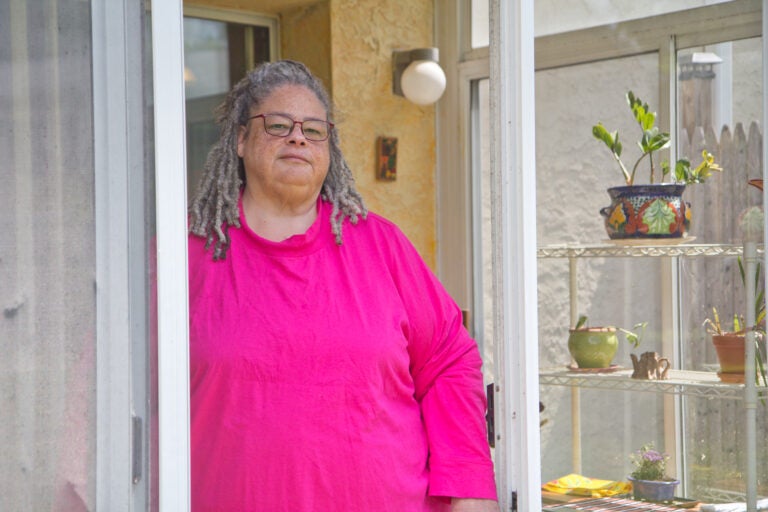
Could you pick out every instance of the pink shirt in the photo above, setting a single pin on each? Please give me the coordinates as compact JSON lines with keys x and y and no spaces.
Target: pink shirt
{"x":327,"y":377}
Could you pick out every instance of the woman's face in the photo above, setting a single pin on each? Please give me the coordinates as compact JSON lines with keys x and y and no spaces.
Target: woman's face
{"x":284,"y":169}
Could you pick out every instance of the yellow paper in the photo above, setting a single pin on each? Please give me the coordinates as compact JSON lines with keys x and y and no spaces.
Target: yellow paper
{"x":579,"y":485}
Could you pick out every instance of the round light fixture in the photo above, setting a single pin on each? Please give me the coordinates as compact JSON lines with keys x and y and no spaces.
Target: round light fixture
{"x":423,"y":82}
{"x":417,"y":75}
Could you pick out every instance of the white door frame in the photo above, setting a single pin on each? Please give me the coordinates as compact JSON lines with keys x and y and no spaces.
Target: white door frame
{"x":513,"y":174}
{"x":172,"y":293}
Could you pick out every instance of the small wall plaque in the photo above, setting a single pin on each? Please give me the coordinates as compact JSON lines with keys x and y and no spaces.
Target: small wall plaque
{"x":386,"y":158}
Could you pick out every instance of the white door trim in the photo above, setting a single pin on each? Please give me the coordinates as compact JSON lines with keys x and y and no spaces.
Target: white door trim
{"x":513,"y":174}
{"x":172,"y":293}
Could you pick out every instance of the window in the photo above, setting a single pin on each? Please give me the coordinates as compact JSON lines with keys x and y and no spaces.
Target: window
{"x":219,"y":48}
{"x":586,"y":58}
{"x":554,"y":17}
{"x":718,"y":82}
{"x":483,"y":278}
{"x":480,"y":23}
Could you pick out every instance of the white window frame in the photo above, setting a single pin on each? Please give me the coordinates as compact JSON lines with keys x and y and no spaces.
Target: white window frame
{"x":122,"y":476}
{"x":510,"y":66}
{"x":513,"y":176}
{"x":113,"y":373}
{"x":172,"y":277}
{"x":751,"y":490}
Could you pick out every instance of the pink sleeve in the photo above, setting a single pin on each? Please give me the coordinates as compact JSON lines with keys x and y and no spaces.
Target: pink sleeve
{"x":446,"y":368}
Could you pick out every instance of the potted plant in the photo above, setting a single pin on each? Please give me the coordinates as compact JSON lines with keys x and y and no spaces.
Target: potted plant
{"x":730,"y":341}
{"x":653,"y":210}
{"x":595,"y":347}
{"x":649,"y":479}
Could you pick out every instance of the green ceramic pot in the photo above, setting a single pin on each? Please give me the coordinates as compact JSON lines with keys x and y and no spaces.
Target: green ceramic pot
{"x":593,"y":347}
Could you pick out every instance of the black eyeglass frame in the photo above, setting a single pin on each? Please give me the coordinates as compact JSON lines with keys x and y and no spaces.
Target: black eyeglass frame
{"x":290,"y":131}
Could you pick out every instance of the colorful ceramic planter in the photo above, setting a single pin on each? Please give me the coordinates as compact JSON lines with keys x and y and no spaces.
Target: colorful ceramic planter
{"x":647,"y":211}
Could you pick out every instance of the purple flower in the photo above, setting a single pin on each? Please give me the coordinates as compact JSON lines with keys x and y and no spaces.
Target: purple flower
{"x":653,"y":456}
{"x":650,"y":464}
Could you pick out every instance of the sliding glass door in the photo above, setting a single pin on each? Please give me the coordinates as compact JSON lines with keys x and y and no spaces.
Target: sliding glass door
{"x":76,"y":210}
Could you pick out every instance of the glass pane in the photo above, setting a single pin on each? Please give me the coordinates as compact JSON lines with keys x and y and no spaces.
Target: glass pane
{"x":47,"y":258}
{"x":573,"y":171}
{"x":50,"y":258}
{"x":719,"y":94}
{"x":554,"y":16}
{"x":480,"y":23}
{"x":217,"y":55}
{"x":720,"y":103}
{"x":483,"y":281}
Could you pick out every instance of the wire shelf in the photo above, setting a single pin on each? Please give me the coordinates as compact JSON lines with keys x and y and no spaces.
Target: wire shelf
{"x":624,"y":251}
{"x":679,"y":382}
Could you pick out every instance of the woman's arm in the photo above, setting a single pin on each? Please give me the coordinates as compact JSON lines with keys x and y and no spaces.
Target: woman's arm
{"x":473,"y":505}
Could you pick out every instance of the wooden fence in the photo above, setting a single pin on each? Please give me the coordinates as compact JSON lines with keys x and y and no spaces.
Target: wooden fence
{"x":715,"y":436}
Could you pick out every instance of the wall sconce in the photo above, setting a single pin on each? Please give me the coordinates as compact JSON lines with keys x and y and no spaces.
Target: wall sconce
{"x":417,"y":75}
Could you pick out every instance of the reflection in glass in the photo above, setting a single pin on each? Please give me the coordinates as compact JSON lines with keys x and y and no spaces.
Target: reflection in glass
{"x":483,"y":275}
{"x":217,"y":55}
{"x":554,"y":16}
{"x":720,"y":109}
{"x":573,"y":171}
{"x":480,"y":25}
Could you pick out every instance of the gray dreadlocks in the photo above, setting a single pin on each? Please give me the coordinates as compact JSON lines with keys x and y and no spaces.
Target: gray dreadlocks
{"x":214,"y":206}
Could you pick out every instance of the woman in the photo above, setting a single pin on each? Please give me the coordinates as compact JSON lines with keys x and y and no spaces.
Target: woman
{"x":329,"y":368}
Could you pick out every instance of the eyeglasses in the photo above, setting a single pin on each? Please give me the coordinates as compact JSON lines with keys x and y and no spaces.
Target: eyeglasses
{"x":279,"y":125}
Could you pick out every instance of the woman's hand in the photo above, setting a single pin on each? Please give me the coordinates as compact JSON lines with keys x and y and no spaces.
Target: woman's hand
{"x":473,"y":505}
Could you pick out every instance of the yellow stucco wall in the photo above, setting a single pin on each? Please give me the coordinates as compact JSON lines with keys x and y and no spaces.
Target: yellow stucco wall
{"x":357,"y":62}
{"x":364,"y":34}
{"x":305,"y":35}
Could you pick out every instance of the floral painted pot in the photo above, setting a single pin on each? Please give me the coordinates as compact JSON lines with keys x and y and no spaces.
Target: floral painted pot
{"x":653,"y":490}
{"x":647,"y":211}
{"x":593,"y":347}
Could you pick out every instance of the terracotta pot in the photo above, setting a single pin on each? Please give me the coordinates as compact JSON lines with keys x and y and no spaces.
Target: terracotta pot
{"x":653,"y":490}
{"x":730,"y":352}
{"x":647,"y":211}
{"x":593,"y":347}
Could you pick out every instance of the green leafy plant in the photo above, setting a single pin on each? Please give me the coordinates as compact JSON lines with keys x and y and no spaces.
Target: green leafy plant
{"x":649,"y":464}
{"x":634,"y":337}
{"x":651,"y":141}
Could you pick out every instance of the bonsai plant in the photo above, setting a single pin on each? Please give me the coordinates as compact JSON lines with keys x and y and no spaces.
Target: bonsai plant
{"x":655,"y":210}
{"x":595,"y":347}
{"x":650,"y":481}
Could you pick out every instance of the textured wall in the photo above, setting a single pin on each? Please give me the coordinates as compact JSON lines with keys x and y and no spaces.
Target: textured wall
{"x":364,"y":33}
{"x":305,"y":35}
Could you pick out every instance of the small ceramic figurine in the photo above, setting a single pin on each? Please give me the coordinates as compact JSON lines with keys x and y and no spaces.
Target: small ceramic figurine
{"x":649,"y":366}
